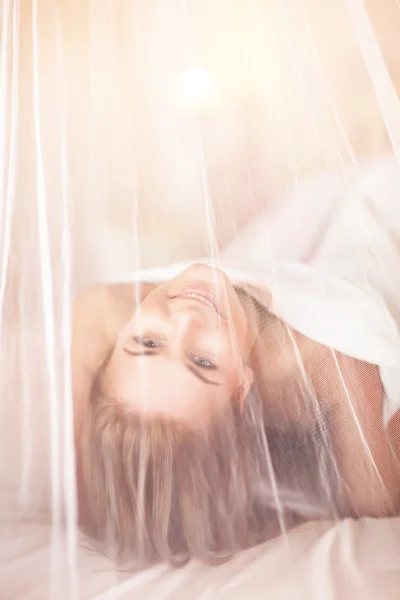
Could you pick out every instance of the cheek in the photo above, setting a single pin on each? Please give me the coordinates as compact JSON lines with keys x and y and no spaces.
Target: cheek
{"x":153,"y":304}
{"x":232,"y":365}
{"x":240,"y":328}
{"x":232,"y":346}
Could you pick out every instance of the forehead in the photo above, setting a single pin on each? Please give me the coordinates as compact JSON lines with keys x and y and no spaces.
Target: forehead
{"x":164,"y":387}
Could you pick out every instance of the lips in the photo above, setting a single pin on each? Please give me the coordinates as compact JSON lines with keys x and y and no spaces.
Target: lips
{"x":201,"y":295}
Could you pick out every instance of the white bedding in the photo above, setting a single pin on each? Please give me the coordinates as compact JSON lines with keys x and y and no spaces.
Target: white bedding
{"x":351,"y":560}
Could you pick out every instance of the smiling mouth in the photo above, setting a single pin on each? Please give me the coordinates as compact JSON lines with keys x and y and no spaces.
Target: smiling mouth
{"x":205,"y":299}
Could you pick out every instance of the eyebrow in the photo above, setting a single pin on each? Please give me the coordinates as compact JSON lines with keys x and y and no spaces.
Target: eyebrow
{"x":190,"y":368}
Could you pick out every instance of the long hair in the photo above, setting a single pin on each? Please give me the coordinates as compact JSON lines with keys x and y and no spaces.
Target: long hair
{"x":157,"y":490}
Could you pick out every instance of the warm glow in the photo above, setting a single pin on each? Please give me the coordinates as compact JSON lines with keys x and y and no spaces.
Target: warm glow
{"x":197,"y":90}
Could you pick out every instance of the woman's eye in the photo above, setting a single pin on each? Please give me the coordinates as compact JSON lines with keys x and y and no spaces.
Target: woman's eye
{"x":203,"y":363}
{"x":147,"y":342}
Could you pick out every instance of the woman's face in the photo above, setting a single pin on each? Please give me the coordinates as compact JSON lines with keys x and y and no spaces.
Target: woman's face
{"x":183,"y":355}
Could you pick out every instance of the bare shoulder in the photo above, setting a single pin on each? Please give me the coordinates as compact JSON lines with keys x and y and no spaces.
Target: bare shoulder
{"x":98,"y":313}
{"x":102,"y":309}
{"x":105,"y":301}
{"x":98,"y":298}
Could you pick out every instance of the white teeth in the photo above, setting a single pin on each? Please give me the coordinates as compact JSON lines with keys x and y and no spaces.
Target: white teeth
{"x":205,"y":300}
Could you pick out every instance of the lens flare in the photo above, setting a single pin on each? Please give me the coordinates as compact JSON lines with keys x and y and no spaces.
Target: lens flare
{"x":197,"y":91}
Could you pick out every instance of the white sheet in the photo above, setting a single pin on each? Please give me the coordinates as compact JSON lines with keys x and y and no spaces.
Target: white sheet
{"x":339,"y":239}
{"x":349,"y":560}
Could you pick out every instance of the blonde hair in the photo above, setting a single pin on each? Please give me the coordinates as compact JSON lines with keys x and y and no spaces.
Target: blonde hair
{"x":157,"y":490}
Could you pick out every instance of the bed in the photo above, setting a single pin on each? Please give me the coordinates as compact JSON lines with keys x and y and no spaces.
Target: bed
{"x":320,"y":560}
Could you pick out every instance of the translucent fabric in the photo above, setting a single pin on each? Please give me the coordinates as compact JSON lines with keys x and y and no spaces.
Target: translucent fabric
{"x":261,"y":138}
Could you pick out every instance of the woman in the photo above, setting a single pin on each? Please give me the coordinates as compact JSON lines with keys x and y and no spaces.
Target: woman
{"x":217,"y":418}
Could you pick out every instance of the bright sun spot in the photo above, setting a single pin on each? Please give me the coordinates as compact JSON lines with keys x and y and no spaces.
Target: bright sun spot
{"x":197,"y":90}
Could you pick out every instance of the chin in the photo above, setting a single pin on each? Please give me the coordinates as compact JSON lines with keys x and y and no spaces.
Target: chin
{"x":208,"y":270}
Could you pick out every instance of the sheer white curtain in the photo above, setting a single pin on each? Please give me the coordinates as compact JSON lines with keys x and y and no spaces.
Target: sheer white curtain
{"x":139,"y":132}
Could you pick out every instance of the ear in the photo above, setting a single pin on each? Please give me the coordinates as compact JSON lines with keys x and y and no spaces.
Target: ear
{"x":247,"y":382}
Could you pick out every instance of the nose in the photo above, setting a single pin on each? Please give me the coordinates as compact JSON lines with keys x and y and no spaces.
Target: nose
{"x":187,"y":323}
{"x":188,"y":318}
